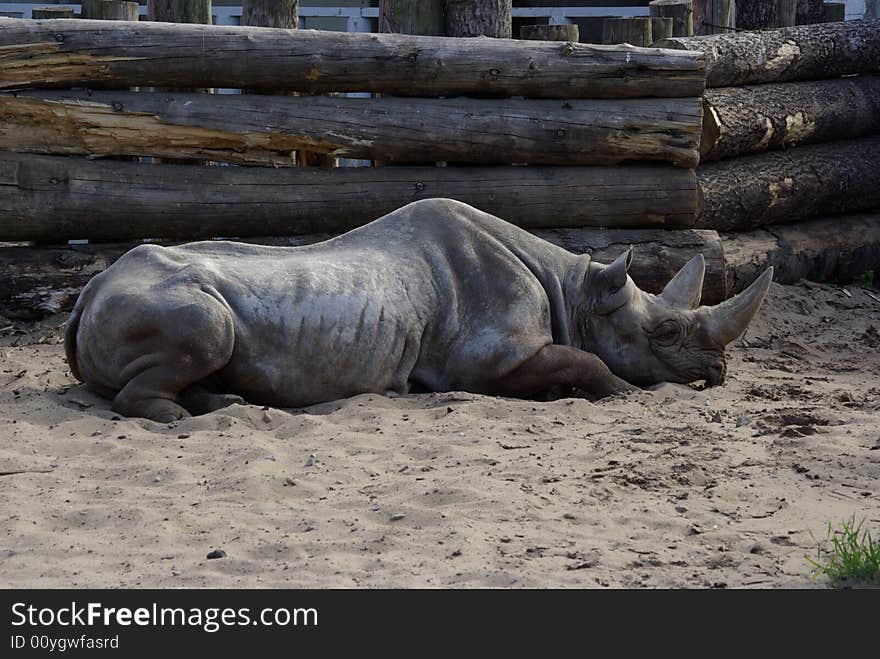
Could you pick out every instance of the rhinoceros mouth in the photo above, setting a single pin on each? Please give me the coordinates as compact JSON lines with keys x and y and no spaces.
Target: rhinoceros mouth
{"x":716,"y":375}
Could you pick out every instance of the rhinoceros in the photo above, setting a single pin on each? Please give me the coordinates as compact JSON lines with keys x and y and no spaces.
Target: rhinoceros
{"x":435,"y":296}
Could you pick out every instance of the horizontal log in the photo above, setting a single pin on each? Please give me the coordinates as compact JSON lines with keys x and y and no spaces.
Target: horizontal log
{"x":742,"y":120}
{"x":266,"y":130}
{"x":94,"y":54}
{"x":785,"y":186}
{"x":37,"y":281}
{"x":51,"y":198}
{"x":831,"y":249}
{"x":804,"y":52}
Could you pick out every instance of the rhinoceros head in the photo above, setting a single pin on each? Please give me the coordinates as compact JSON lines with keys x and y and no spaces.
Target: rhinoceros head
{"x":647,"y":339}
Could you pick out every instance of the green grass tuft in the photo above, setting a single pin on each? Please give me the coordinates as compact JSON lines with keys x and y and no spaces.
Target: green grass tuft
{"x":850,"y":555}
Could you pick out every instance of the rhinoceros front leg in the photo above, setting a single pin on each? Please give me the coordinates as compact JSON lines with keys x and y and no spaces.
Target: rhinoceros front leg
{"x":562,"y":366}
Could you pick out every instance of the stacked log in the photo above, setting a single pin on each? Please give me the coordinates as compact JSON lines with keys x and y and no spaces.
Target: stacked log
{"x":789,"y":150}
{"x":593,"y":147}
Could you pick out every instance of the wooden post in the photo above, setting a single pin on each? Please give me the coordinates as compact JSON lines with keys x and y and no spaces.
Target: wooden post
{"x":53,"y":12}
{"x":411,"y":17}
{"x":590,"y":28}
{"x":661,"y":27}
{"x":835,"y":11}
{"x":283,"y":14}
{"x":180,"y":11}
{"x":681,"y":12}
{"x":714,"y":16}
{"x":270,"y":13}
{"x":475,"y":18}
{"x":634,"y":31}
{"x":109,"y":10}
{"x":549,"y":32}
{"x":786,"y":13}
{"x":756,"y":14}
{"x":810,"y":12}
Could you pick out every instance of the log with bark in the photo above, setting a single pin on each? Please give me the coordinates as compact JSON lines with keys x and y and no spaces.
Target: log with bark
{"x":50,"y":198}
{"x":806,"y":52}
{"x":264,"y":130}
{"x":37,"y":281}
{"x":786,"y":186}
{"x":831,"y":249}
{"x":65,"y":53}
{"x":743,"y":120}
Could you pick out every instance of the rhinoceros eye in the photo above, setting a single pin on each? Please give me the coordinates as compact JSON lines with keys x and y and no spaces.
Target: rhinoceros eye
{"x":666,"y":333}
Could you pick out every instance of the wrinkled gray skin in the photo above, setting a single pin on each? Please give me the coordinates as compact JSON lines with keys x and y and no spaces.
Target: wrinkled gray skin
{"x":435,"y":296}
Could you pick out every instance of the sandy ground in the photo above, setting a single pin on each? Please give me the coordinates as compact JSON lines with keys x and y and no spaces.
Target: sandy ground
{"x":681,"y":488}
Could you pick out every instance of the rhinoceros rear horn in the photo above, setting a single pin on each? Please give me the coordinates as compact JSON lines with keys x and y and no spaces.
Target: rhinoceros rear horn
{"x":728,"y":320}
{"x":686,"y":288}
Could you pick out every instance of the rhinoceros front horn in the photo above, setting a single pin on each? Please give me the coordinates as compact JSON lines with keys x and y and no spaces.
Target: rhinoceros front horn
{"x":685,"y":289}
{"x":728,"y":320}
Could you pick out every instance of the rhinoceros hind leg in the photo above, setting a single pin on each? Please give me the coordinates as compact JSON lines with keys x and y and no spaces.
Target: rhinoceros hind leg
{"x":144,"y":396}
{"x":200,"y":400}
{"x":171,"y":353}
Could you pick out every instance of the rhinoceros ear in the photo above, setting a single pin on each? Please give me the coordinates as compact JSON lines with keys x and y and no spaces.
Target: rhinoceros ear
{"x":614,"y":274}
{"x":686,"y":288}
